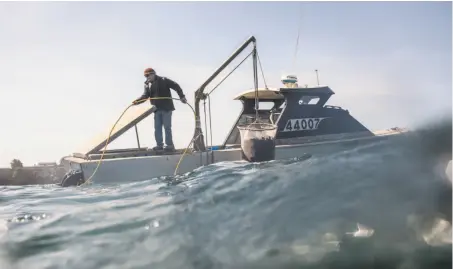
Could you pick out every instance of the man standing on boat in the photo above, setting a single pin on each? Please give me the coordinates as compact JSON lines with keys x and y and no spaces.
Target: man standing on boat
{"x":157,"y":86}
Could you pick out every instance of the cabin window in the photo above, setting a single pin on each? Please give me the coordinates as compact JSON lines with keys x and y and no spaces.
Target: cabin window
{"x":246,"y":119}
{"x":265,"y":105}
{"x":309,"y":100}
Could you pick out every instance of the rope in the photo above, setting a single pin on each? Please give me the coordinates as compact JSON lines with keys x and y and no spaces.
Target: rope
{"x":210,"y":128}
{"x":111,"y":130}
{"x":297,"y":41}
{"x":205,"y":126}
{"x":209,"y":104}
{"x":184,"y":153}
{"x":255,"y":82}
{"x":262,"y":73}
{"x":209,"y":100}
{"x":230,"y":73}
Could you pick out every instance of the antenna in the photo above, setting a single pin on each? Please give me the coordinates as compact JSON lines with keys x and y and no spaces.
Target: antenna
{"x":317,"y":77}
{"x":297,"y":40}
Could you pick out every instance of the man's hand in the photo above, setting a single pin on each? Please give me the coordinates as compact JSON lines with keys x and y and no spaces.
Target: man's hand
{"x":184,"y":100}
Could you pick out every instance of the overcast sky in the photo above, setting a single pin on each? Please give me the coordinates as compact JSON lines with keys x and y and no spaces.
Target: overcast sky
{"x":68,"y":70}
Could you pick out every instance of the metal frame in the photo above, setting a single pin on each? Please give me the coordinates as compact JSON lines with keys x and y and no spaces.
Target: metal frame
{"x":235,"y":125}
{"x":198,"y":138}
{"x":144,"y":115}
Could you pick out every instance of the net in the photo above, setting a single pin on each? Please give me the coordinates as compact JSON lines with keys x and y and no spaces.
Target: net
{"x":258,"y":142}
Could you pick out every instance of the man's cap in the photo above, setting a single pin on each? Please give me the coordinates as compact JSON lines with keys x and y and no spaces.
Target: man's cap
{"x":149,"y":70}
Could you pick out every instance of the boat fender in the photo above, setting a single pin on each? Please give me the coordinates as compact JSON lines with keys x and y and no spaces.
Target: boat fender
{"x":72,"y":178}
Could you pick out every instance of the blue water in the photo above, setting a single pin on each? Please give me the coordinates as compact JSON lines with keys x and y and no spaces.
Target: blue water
{"x":296,"y":213}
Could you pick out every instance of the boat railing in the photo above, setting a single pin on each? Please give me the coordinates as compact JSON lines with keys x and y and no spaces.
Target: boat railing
{"x":134,"y":153}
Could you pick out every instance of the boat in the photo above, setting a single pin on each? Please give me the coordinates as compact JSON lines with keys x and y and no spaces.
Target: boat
{"x":304,"y":125}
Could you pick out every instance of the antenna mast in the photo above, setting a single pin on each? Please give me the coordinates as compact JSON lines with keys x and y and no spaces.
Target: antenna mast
{"x":290,"y":80}
{"x":317,"y":77}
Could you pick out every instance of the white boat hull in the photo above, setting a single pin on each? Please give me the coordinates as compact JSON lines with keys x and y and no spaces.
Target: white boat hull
{"x":142,"y":168}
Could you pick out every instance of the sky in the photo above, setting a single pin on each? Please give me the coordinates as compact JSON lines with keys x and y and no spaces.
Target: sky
{"x":69,"y":69}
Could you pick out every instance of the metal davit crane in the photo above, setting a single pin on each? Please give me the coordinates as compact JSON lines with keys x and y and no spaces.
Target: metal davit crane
{"x":198,"y":138}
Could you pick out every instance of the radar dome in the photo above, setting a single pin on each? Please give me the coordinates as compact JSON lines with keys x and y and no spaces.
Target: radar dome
{"x":290,"y":81}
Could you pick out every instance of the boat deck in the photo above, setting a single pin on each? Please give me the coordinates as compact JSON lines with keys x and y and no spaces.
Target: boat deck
{"x":144,"y":152}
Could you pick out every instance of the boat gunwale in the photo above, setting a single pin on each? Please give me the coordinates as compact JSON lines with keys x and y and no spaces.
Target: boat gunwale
{"x":235,"y":147}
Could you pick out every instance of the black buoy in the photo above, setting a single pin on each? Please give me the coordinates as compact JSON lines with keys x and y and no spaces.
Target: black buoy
{"x":72,"y":178}
{"x":258,"y":142}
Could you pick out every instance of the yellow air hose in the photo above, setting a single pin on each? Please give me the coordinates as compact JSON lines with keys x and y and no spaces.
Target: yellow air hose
{"x":108,"y":138}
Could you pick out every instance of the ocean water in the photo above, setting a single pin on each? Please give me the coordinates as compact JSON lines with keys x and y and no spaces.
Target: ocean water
{"x":297,"y":213}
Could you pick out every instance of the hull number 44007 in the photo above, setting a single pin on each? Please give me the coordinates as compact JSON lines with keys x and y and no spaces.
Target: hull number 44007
{"x":304,"y":124}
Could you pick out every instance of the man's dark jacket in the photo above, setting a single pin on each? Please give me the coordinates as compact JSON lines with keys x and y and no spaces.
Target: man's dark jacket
{"x":161,"y":88}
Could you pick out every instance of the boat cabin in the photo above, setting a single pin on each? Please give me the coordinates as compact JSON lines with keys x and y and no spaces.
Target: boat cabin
{"x":297,"y":112}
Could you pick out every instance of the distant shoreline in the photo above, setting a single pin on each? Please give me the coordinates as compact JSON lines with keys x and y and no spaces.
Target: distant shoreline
{"x":31,"y":175}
